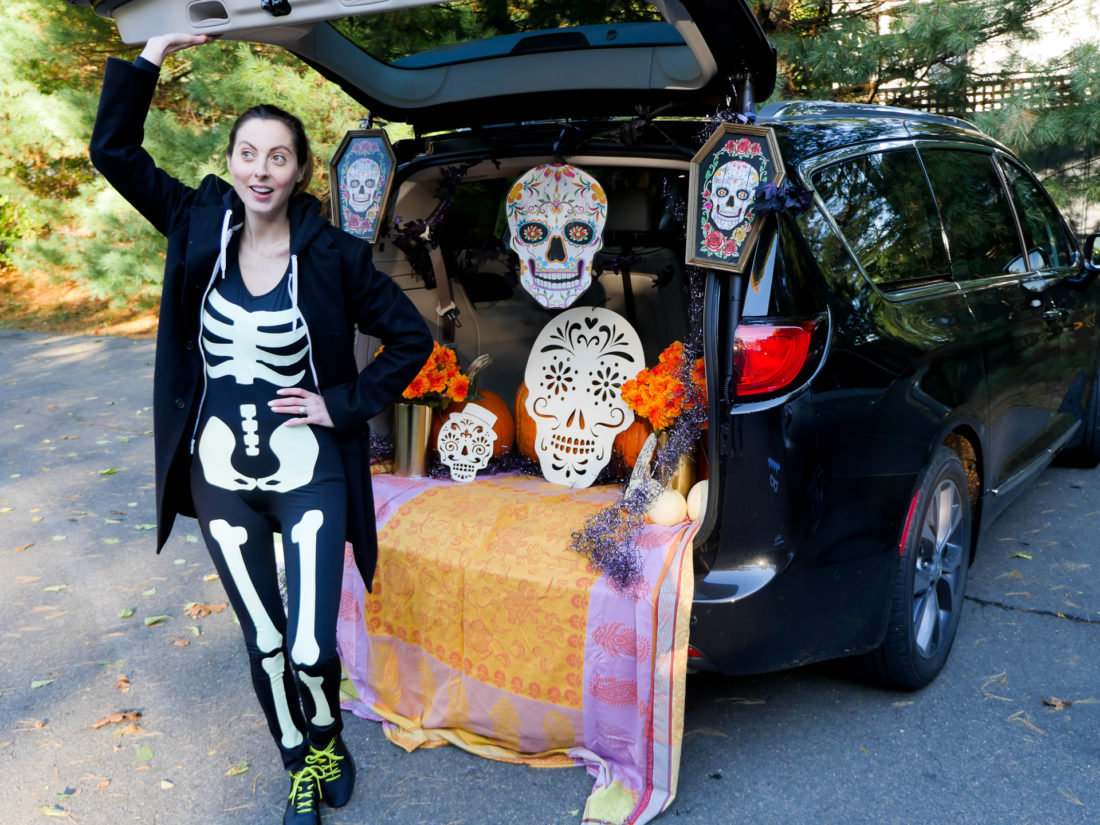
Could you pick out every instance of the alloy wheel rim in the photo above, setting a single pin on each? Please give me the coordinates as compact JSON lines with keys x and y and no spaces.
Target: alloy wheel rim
{"x":938,"y":569}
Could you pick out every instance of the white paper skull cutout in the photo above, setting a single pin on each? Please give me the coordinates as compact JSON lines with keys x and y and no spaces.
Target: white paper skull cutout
{"x":556,"y":214}
{"x":733,"y":188}
{"x":362,"y":180}
{"x":574,"y":372}
{"x":466,"y":441}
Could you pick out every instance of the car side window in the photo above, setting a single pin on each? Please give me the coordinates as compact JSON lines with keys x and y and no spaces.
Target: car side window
{"x":883,"y":207}
{"x":977,"y":217}
{"x":1044,"y":236}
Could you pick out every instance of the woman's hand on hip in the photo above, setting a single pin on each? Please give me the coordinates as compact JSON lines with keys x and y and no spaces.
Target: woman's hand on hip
{"x":306,"y":407}
{"x":160,"y":46}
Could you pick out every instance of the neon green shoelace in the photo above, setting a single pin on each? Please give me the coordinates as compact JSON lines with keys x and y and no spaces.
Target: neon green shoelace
{"x":325,"y":763}
{"x":302,"y":785}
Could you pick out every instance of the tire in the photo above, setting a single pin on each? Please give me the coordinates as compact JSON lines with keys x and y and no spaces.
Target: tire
{"x":1086,"y":453}
{"x":927,"y":599}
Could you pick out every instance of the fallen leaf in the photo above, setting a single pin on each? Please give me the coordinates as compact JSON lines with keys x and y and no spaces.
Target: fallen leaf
{"x":152,"y":620}
{"x":129,"y":730}
{"x":1072,"y":797}
{"x":42,"y":683}
{"x":210,"y":577}
{"x":126,"y":613}
{"x":110,"y":541}
{"x":178,"y":642}
{"x":109,"y":472}
{"x":145,"y":527}
{"x":1023,"y":718}
{"x":1000,"y":679}
{"x":106,"y":783}
{"x":1056,"y":703}
{"x":142,"y":753}
{"x":24,"y":547}
{"x":1019,"y":556}
{"x":117,"y":718}
{"x":201,"y":611}
{"x":27,"y":579}
{"x":238,"y":769}
{"x":6,"y":509}
{"x":150,"y":592}
{"x":123,"y":683}
{"x":165,"y":784}
{"x":51,"y":810}
{"x":56,"y":588}
{"x":194,"y":630}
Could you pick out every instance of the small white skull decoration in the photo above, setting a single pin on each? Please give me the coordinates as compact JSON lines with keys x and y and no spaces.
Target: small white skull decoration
{"x":733,"y":189}
{"x":362,"y":180}
{"x":556,"y":214}
{"x":576,"y":367}
{"x":466,"y":441}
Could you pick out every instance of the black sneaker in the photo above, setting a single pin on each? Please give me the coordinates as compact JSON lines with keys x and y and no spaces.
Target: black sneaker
{"x":304,"y":801}
{"x":335,"y":771}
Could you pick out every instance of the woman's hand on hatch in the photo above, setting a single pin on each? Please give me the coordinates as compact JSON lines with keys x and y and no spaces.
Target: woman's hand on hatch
{"x":160,"y":46}
{"x":306,"y":407}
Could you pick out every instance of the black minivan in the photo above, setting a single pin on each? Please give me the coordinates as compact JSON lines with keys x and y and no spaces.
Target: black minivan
{"x":950,"y":317}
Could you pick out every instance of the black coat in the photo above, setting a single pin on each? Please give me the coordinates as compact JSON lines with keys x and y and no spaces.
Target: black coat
{"x":338,"y":290}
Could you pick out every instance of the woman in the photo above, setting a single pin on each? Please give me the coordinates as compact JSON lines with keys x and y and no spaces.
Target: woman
{"x":260,"y":413}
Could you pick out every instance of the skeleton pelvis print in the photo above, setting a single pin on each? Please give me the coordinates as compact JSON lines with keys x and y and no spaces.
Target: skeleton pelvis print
{"x":294,"y":449}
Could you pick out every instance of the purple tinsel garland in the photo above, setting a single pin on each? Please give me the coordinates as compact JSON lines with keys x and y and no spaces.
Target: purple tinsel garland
{"x":610,"y":537}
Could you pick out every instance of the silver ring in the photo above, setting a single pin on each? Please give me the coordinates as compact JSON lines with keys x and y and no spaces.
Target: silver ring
{"x":302,"y":410}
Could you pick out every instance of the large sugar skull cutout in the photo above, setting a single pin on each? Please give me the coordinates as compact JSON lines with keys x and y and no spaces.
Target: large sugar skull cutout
{"x":556,"y":214}
{"x":466,"y":441}
{"x":574,"y":372}
{"x":733,"y":189}
{"x":363,"y":181}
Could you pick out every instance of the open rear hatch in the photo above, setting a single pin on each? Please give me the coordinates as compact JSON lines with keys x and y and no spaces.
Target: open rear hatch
{"x":689,"y":61}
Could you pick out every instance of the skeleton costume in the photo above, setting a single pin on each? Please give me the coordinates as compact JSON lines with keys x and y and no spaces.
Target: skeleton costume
{"x":221,"y":454}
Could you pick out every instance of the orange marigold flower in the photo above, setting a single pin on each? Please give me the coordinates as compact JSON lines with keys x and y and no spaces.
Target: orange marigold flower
{"x":459,"y":388}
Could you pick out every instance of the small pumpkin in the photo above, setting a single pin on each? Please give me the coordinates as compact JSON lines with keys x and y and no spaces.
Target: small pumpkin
{"x":669,"y":508}
{"x":504,"y":428}
{"x":697,"y":500}
{"x":629,"y":442}
{"x":525,"y":425}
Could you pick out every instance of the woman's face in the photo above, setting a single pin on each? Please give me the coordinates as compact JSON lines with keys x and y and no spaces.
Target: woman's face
{"x":264,"y":167}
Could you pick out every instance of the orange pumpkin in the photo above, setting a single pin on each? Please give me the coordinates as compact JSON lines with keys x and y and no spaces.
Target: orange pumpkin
{"x":525,"y":426}
{"x":629,"y":442}
{"x":504,"y":428}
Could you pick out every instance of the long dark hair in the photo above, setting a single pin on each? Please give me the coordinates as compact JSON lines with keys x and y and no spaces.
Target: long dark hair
{"x":266,"y":111}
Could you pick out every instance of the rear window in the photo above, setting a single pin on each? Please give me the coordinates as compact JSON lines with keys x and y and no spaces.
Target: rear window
{"x":426,"y":35}
{"x":977,"y":217}
{"x":884,"y":209}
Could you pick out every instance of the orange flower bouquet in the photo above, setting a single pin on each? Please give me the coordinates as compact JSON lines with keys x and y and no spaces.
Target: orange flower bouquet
{"x":439,"y":382}
{"x":659,"y":393}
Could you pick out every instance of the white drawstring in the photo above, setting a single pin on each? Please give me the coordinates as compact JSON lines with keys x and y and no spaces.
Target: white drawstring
{"x":219,"y":266}
{"x":292,"y":288}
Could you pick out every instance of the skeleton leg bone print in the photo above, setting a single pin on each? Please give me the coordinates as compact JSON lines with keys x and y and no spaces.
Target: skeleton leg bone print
{"x":254,"y":474}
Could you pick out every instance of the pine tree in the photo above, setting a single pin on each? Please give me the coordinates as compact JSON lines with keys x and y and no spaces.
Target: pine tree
{"x":70,"y":223}
{"x":920,"y":52}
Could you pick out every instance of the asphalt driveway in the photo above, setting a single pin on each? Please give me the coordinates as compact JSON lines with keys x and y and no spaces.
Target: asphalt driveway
{"x":124,"y":693}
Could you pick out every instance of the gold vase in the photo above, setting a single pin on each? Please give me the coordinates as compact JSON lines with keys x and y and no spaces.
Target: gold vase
{"x":412,"y":427}
{"x":684,"y":474}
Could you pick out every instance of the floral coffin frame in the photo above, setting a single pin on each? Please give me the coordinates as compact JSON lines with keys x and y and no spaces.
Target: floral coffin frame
{"x":749,"y":157}
{"x":361,"y":175}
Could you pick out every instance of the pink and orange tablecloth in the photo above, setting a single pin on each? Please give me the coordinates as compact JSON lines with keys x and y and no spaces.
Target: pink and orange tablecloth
{"x":485,"y":630}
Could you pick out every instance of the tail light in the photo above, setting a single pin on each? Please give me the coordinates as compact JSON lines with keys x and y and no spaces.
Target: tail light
{"x":768,"y":357}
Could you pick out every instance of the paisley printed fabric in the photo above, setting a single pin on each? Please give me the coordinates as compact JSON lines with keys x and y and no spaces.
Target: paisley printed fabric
{"x":485,"y":630}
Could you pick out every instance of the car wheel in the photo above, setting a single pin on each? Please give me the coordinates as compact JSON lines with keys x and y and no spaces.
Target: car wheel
{"x":931,"y":580}
{"x":1086,"y":453}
